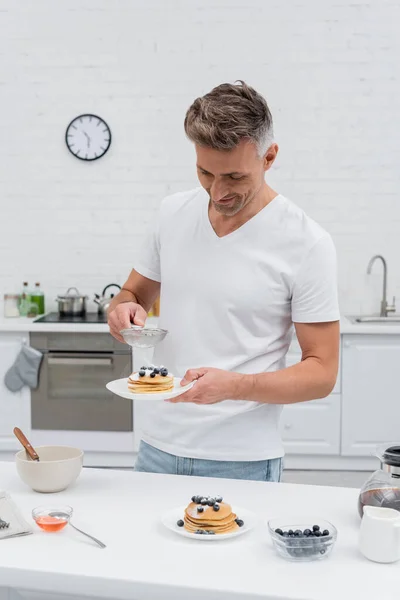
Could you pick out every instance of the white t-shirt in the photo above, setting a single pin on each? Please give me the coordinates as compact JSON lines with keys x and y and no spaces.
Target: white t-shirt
{"x":230,"y":303}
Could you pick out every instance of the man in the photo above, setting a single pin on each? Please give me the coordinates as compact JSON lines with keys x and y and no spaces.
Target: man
{"x":236,"y":264}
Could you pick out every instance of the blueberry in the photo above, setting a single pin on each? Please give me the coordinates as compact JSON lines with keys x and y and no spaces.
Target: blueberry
{"x":307,"y":532}
{"x":216,"y":507}
{"x":200,"y":509}
{"x":193,"y":498}
{"x":143,"y":368}
{"x":211,"y":502}
{"x":218,"y":499}
{"x":180,"y":523}
{"x":156,"y":371}
{"x":325,"y":532}
{"x":278,"y":531}
{"x":211,"y":532}
{"x":239,"y":522}
{"x":164,"y":372}
{"x":142,"y":373}
{"x":298,"y":533}
{"x":322,"y":551}
{"x":285,"y":534}
{"x":290,"y":532}
{"x":199,"y":531}
{"x":316,"y":528}
{"x":152,"y":374}
{"x":317,"y":533}
{"x":203,"y":501}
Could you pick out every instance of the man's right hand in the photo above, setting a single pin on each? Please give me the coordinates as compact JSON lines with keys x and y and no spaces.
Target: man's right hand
{"x":123,"y":316}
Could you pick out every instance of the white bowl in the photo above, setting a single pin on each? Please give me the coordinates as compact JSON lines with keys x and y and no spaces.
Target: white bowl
{"x":58,"y":467}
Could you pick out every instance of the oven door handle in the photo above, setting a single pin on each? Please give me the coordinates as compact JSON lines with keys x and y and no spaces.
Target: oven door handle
{"x":76,"y":361}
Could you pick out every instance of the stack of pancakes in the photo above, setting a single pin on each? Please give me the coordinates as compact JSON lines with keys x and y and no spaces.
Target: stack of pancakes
{"x":209,"y":520}
{"x":150,"y":385}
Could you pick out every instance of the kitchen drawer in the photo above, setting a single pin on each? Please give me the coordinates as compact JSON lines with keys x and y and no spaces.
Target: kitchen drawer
{"x":312,"y":427}
{"x":294,"y":356}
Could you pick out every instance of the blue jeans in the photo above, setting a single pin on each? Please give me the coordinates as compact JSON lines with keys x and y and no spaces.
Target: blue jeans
{"x":152,"y":460}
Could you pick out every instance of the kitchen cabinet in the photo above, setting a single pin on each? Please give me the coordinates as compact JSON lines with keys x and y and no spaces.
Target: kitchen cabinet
{"x":370,"y":393}
{"x":311,"y":427}
{"x":14,"y":407}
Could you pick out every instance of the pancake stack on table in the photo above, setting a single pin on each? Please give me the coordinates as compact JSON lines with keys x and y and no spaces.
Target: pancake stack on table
{"x":210,"y":516}
{"x":151,"y":380}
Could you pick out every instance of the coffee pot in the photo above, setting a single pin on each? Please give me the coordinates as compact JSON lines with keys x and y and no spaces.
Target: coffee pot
{"x":382,"y":488}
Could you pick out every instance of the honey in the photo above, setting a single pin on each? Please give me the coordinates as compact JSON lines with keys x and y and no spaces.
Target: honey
{"x":48,"y":523}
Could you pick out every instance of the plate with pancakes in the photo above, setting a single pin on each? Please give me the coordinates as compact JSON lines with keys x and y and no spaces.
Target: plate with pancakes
{"x":149,"y":383}
{"x":209,"y":518}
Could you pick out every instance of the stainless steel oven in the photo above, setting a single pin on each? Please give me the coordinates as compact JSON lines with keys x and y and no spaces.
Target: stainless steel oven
{"x":71,"y":404}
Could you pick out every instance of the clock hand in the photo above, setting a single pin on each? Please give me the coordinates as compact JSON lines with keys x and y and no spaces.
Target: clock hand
{"x":88,"y":139}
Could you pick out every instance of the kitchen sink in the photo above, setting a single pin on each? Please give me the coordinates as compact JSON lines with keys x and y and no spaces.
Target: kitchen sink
{"x":375,"y":319}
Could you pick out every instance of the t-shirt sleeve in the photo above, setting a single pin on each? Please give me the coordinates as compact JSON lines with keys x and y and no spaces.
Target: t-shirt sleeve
{"x":314,"y":295}
{"x":148,"y":260}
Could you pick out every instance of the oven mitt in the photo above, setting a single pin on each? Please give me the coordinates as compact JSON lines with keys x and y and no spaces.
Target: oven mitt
{"x":25,"y":370}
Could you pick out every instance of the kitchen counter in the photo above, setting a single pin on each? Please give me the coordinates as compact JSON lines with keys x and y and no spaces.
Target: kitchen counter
{"x":23,"y":324}
{"x":145,"y":561}
{"x":347,"y":327}
{"x":28,"y":325}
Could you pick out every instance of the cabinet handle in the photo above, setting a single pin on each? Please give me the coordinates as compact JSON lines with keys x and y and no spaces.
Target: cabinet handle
{"x":80,"y":361}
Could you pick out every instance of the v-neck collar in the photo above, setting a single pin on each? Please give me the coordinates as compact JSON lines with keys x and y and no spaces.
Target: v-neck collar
{"x":240,"y":230}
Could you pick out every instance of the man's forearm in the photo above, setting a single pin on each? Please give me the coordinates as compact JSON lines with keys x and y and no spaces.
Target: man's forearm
{"x":308,"y":380}
{"x":122,"y":296}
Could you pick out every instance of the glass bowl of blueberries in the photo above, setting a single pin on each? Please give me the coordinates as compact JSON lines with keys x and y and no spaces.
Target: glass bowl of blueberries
{"x":299,"y":540}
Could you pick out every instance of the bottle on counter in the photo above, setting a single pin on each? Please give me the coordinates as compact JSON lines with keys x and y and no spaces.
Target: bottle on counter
{"x":24,"y":300}
{"x":37,"y":297}
{"x":11,"y":305}
{"x":155,"y":309}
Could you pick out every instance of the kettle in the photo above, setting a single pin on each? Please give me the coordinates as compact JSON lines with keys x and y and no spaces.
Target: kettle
{"x":104,"y":302}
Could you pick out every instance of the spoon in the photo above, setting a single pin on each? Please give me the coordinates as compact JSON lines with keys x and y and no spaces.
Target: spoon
{"x":66,"y":517}
{"x":26,"y":444}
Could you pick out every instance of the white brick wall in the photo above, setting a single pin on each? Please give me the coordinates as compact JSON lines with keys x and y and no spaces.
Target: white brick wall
{"x":329,"y":71}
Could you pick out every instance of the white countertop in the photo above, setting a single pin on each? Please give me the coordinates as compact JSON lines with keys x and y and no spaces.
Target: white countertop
{"x":143,"y":560}
{"x":23,"y":324}
{"x":28,"y":325}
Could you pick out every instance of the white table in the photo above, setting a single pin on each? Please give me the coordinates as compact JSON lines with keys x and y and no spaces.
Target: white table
{"x":144,"y":561}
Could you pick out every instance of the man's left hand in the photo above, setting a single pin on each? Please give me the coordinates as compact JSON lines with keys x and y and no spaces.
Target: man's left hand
{"x":212,"y":385}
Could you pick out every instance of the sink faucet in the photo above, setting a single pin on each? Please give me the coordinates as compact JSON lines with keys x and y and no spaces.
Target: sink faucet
{"x":385,"y":307}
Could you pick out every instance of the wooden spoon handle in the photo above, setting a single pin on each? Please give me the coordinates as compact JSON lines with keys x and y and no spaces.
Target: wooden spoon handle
{"x":26,"y":444}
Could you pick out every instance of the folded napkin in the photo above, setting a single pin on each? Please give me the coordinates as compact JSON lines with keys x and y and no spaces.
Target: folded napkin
{"x":12,"y":523}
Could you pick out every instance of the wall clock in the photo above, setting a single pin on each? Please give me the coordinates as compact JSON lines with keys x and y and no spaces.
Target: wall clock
{"x":88,"y":137}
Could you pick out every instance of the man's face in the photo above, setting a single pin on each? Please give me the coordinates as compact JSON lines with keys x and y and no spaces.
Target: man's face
{"x":232,"y":178}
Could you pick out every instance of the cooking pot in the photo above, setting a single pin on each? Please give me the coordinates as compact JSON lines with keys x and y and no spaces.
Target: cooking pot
{"x":104,"y":302}
{"x":72,"y":304}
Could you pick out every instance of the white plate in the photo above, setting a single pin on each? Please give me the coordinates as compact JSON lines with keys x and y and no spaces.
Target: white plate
{"x":171,"y":517}
{"x":120,"y":388}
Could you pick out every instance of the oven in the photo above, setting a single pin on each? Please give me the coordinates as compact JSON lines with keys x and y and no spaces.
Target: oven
{"x":71,"y":404}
